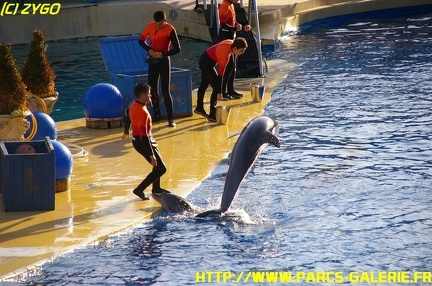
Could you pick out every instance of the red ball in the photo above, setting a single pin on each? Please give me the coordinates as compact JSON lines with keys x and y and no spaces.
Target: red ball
{"x":25,"y":149}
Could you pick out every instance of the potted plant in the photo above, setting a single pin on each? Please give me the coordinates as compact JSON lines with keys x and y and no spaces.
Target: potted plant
{"x":13,"y":98}
{"x":38,"y":75}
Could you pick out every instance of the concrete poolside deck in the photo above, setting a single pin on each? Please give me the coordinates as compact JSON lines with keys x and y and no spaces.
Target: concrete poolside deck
{"x":100,"y":201}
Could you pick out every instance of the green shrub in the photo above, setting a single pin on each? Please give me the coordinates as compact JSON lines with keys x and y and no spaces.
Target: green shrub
{"x":37,"y":73}
{"x":13,"y":94}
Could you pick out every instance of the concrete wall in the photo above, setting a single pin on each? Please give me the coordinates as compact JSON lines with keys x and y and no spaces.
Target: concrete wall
{"x":115,"y":18}
{"x":290,"y":17}
{"x":106,"y":19}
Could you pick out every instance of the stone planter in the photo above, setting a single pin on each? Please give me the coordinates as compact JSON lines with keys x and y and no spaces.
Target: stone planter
{"x":13,"y":128}
{"x":46,"y":104}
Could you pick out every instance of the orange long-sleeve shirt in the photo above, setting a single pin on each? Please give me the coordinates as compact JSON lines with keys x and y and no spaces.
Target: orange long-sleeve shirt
{"x":227,"y":16}
{"x":160,"y":39}
{"x":140,"y":119}
{"x":220,"y":53}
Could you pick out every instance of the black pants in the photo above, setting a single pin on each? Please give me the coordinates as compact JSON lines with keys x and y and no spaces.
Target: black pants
{"x":146,"y":149}
{"x":225,"y":35}
{"x":162,"y":71}
{"x":209,"y":76}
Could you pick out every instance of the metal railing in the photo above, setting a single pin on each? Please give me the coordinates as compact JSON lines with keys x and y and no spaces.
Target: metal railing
{"x":252,"y":9}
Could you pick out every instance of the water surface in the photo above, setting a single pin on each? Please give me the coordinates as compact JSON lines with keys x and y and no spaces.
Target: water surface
{"x":349,"y":189}
{"x":78,"y":65}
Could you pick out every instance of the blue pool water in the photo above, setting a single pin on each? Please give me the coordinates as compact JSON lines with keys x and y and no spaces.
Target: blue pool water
{"x":78,"y":65}
{"x":349,"y":190}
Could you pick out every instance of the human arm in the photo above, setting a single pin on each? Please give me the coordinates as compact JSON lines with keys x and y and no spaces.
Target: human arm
{"x":143,"y":38}
{"x":225,"y":26}
{"x":153,"y":161}
{"x":142,"y":128}
{"x":144,"y":45}
{"x":220,"y":53}
{"x":152,"y":142}
{"x":127,"y":124}
{"x":219,"y":85}
{"x":150,"y":51}
{"x":175,"y":43}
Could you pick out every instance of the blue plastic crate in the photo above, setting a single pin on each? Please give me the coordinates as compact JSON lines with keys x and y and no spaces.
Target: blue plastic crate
{"x":27,"y":180}
{"x":126,"y":62}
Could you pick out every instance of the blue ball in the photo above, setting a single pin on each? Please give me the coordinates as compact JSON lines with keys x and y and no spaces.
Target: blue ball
{"x":103,"y":100}
{"x":63,"y":161}
{"x":41,"y":125}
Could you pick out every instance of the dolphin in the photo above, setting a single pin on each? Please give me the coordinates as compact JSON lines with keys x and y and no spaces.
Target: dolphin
{"x":255,"y":136}
{"x":173,"y":203}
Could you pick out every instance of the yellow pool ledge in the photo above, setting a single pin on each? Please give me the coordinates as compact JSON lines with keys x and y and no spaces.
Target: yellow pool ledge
{"x":100,"y":201}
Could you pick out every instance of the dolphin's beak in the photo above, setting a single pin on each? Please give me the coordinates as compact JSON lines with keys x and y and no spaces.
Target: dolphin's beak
{"x":275,"y":141}
{"x":275,"y":131}
{"x":157,"y":197}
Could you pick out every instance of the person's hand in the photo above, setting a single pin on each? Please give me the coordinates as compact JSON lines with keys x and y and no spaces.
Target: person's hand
{"x":155,"y":55}
{"x":153,"y":161}
{"x":247,"y":28}
{"x":239,"y":27}
{"x":125,"y":136}
{"x":219,"y":96}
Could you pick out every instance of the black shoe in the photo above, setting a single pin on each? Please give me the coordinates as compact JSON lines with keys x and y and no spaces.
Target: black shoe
{"x":140,"y":194}
{"x":211,"y":117}
{"x":235,"y":94}
{"x":171,"y":123}
{"x":160,"y":191}
{"x":226,"y":96}
{"x":200,"y":111}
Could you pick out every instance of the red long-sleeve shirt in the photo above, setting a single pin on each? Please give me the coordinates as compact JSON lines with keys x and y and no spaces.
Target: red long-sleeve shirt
{"x":220,"y":53}
{"x":160,"y":39}
{"x":227,"y":16}
{"x":140,"y":119}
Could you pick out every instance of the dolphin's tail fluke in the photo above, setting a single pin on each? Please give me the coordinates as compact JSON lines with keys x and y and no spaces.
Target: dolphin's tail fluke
{"x":210,"y":213}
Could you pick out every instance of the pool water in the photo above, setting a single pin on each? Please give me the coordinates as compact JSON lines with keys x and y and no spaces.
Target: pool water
{"x":75,"y":73}
{"x":348,"y":191}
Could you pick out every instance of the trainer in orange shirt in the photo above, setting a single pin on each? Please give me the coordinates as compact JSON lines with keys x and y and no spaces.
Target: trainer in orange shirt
{"x":139,"y":117}
{"x":218,"y":54}
{"x":228,"y":28}
{"x":163,"y":43}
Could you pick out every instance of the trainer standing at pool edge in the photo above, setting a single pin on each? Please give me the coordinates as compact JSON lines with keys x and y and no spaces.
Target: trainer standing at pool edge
{"x":162,"y":36}
{"x":227,"y":31}
{"x":217,"y":55}
{"x":143,"y":141}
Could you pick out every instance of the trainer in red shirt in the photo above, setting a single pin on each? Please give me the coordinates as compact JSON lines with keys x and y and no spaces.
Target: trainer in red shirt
{"x":160,"y":40}
{"x":218,"y":54}
{"x":228,"y":28}
{"x":138,"y":118}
